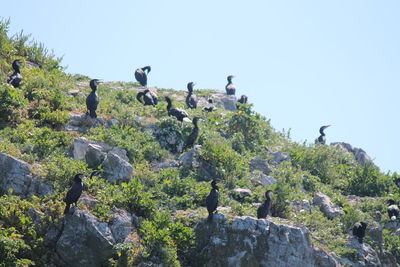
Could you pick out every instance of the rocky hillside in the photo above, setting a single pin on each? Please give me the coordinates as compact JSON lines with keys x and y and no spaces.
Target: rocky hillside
{"x":146,"y":205}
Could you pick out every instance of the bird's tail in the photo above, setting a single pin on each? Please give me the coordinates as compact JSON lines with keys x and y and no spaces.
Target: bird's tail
{"x":92,"y":113}
{"x":393,"y":218}
{"x":210,"y":217}
{"x":66,"y":210}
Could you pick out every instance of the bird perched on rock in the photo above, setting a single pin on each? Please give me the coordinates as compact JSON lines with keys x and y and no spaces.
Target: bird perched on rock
{"x":265,"y":209}
{"x":15,"y":78}
{"x":178,"y":113}
{"x":322,"y":139}
{"x":74,"y":192}
{"x":191,"y":99}
{"x":243,"y":99}
{"x":141,"y":75}
{"x":230,"y":87}
{"x":359,"y":230}
{"x":147,"y":98}
{"x":92,"y":100}
{"x":212,"y":200}
{"x":210,"y":106}
{"x":194,"y":134}
{"x":393,"y":210}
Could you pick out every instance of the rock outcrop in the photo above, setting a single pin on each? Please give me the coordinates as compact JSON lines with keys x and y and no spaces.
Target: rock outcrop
{"x":279,"y":156}
{"x":246,"y":241}
{"x":360,"y":155}
{"x":260,"y":165}
{"x":325,"y":204}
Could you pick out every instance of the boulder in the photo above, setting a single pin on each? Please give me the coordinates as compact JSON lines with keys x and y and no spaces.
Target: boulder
{"x":116,"y":168}
{"x":325,"y":204}
{"x":260,"y":165}
{"x":94,"y":156}
{"x":190,"y":159}
{"x":80,"y":148}
{"x":121,"y":226}
{"x":229,"y":102}
{"x":15,"y":174}
{"x":83,"y":122}
{"x":367,"y":256}
{"x":241,"y":193}
{"x":84,"y":241}
{"x":246,"y":241}
{"x":159,"y":166}
{"x":360,"y":155}
{"x":279,"y":157}
{"x":262,"y":179}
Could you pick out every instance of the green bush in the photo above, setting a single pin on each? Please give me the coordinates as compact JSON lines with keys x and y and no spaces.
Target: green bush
{"x":11,"y":100}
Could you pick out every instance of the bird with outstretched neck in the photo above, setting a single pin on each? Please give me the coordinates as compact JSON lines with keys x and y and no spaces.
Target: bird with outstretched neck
{"x":230,"y":87}
{"x":147,"y":98}
{"x":359,"y":231}
{"x":191,"y":99}
{"x":194,"y":134}
{"x":15,"y":78}
{"x":322,"y":139}
{"x":265,"y":209}
{"x":212,"y":200}
{"x":92,"y":100}
{"x":179,"y":113}
{"x":141,"y":75}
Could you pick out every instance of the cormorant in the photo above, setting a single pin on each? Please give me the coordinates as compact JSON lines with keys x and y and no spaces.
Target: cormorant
{"x":74,"y":192}
{"x":393,"y":210}
{"x":322,"y":139}
{"x":194,"y":134}
{"x":141,"y":75}
{"x":230,"y":87}
{"x":92,"y":100}
{"x":212,"y":200}
{"x":359,"y":230}
{"x":179,"y":113}
{"x":147,"y":98}
{"x":243,"y":99}
{"x":191,"y":99}
{"x":210,"y":107}
{"x":265,"y":209}
{"x":15,"y":78}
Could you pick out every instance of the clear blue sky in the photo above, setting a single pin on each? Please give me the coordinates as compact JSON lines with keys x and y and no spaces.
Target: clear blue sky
{"x":302,"y":63}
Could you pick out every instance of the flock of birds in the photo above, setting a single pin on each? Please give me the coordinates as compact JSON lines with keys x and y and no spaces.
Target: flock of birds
{"x":149,"y":97}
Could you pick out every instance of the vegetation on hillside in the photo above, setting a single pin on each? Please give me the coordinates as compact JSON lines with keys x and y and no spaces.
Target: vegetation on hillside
{"x":32,"y":120}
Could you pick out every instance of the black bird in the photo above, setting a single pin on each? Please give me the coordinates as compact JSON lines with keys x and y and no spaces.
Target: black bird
{"x":397,"y":182}
{"x":212,"y":200}
{"x":359,"y":230}
{"x":191,"y":99}
{"x":15,"y":78}
{"x":243,"y":99}
{"x":141,"y":75}
{"x":393,"y":210}
{"x":147,"y":98}
{"x":210,"y":107}
{"x":230,"y":87}
{"x":194,"y":134}
{"x":322,"y":139}
{"x":92,"y":100}
{"x":74,"y":192}
{"x":179,"y":113}
{"x":265,"y":209}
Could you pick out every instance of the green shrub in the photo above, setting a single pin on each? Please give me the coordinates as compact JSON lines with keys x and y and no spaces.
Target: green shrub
{"x":11,"y":100}
{"x":392,"y":243}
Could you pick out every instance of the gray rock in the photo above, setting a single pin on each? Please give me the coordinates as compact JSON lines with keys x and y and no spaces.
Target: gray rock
{"x":94,"y":156}
{"x":112,"y":123}
{"x":84,"y":240}
{"x":246,"y":241}
{"x":229,"y":102}
{"x":116,"y":168}
{"x":301,"y":206}
{"x":262,"y":179}
{"x":39,"y":187}
{"x":260,"y":164}
{"x":241,"y":193}
{"x":325,"y":204}
{"x":121,"y":226}
{"x":15,"y":174}
{"x":165,"y":165}
{"x":80,"y":148}
{"x":367,"y":256}
{"x":280,"y":156}
{"x":360,"y":155}
{"x":82,"y":122}
{"x":190,"y":159}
